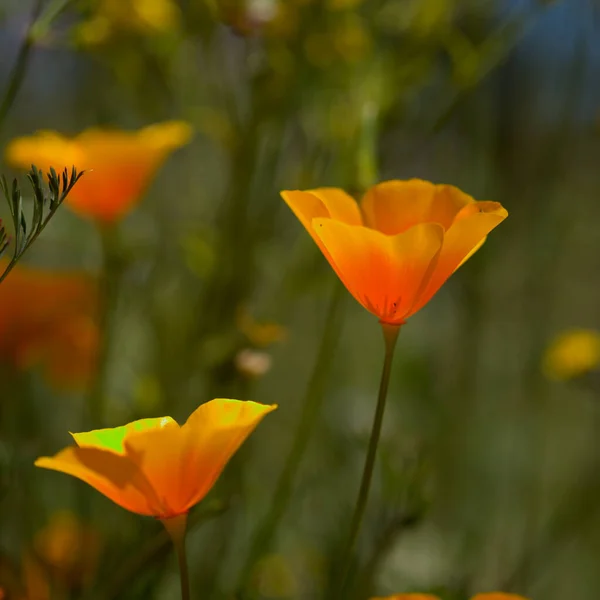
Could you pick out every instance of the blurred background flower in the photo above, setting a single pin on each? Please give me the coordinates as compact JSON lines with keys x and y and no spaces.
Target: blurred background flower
{"x":573,"y":353}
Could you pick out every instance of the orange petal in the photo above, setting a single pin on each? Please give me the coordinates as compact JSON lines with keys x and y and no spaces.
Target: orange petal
{"x":44,"y":149}
{"x":384,"y":273}
{"x":117,"y":477}
{"x":182,"y":464}
{"x":113,"y":438}
{"x":393,"y":206}
{"x":332,"y":203}
{"x":465,"y":236}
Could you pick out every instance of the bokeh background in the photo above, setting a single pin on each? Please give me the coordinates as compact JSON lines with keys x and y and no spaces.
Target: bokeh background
{"x":489,"y":469}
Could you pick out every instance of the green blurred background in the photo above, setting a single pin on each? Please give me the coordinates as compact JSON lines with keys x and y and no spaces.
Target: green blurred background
{"x":488,"y":474}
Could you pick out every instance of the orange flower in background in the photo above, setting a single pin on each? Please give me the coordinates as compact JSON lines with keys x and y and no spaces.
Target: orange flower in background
{"x":397,"y":248}
{"x":119,"y":164}
{"x":498,"y":596}
{"x":155,"y":467}
{"x":47,"y":320}
{"x":68,"y":549}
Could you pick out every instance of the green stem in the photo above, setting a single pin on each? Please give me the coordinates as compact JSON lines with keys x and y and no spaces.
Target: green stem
{"x":390,"y":334}
{"x":112,"y":269}
{"x":17,"y":75}
{"x":176,"y":528}
{"x":310,"y":410}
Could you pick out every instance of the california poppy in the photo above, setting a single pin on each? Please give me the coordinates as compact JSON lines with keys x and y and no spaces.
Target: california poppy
{"x":119,"y":164}
{"x":154,"y":466}
{"x":47,"y":319}
{"x":395,"y":250}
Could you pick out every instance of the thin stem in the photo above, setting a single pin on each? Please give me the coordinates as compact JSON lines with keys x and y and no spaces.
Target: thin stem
{"x":17,"y":74}
{"x":112,"y":269}
{"x":390,"y":334}
{"x":310,"y":410}
{"x":176,"y":528}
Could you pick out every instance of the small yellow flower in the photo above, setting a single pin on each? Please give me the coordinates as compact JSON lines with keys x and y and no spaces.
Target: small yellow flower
{"x":261,"y":334}
{"x":144,"y":17}
{"x":572,"y":354}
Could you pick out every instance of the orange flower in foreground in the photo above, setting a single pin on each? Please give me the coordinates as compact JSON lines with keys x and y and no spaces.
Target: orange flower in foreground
{"x":47,"y":319}
{"x":155,"y":467}
{"x":119,"y":164}
{"x":395,"y":250}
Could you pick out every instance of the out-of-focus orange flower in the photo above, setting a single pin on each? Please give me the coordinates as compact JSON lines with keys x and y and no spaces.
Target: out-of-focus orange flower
{"x":396,"y":249}
{"x":573,"y":353}
{"x":69,"y":549}
{"x":156,"y":467}
{"x":47,"y":319}
{"x":119,"y":164}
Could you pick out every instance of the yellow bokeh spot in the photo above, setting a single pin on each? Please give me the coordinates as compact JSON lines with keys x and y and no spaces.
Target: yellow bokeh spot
{"x":572,"y":354}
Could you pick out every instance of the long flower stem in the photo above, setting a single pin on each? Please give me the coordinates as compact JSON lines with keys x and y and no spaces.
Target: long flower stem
{"x":17,"y":74}
{"x":112,"y":269}
{"x":176,"y":528}
{"x":310,"y":411}
{"x":390,"y":335}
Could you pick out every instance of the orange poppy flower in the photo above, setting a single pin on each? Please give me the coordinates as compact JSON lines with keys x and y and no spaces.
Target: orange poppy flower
{"x":119,"y":164}
{"x":47,"y":319}
{"x":155,"y":467}
{"x":395,"y":250}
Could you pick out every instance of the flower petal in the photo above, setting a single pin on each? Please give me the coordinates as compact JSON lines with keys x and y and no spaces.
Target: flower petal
{"x":393,"y":206}
{"x":112,"y":438}
{"x":384,"y":273}
{"x":182,"y":464}
{"x":465,"y":236}
{"x":331,"y":203}
{"x":44,"y":149}
{"x":115,"y":476}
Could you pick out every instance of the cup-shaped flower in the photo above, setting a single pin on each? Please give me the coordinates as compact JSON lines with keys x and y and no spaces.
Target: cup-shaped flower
{"x":396,"y":249}
{"x":119,"y":164}
{"x":154,"y":466}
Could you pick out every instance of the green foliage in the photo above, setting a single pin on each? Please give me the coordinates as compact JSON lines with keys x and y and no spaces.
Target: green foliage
{"x":45,"y":204}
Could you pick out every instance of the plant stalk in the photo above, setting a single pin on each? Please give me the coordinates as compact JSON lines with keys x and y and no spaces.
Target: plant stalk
{"x":176,"y":528}
{"x":390,"y":335}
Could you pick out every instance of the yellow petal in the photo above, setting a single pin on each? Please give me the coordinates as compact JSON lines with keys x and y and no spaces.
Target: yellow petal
{"x":115,"y":476}
{"x":45,"y":149}
{"x":393,"y":206}
{"x":182,"y":464}
{"x":465,"y":236}
{"x":112,"y":438}
{"x":384,"y":273}
{"x":332,"y":203}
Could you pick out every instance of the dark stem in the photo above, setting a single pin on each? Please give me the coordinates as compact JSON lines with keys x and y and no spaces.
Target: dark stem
{"x":310,"y":411}
{"x":390,"y":334}
{"x":176,"y":528}
{"x":17,"y":74}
